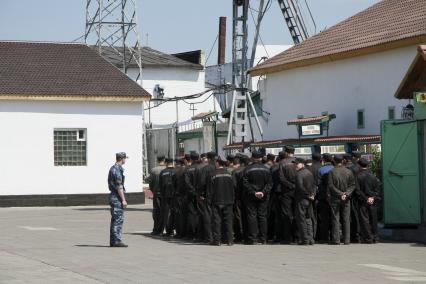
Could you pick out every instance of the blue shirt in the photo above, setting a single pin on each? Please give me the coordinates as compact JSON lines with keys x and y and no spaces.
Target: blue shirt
{"x":116,"y":178}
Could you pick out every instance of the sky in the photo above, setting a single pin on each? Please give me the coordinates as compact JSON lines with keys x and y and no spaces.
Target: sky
{"x":169,"y":26}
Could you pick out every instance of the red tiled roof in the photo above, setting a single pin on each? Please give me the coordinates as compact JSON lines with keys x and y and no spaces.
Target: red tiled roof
{"x":61,"y":69}
{"x":308,"y":141}
{"x":387,"y":24}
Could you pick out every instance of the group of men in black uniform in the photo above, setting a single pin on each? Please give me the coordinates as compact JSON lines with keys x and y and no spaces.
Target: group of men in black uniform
{"x":284,"y":199}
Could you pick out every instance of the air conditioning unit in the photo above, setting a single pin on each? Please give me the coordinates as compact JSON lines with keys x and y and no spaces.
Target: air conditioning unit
{"x":158,"y":93}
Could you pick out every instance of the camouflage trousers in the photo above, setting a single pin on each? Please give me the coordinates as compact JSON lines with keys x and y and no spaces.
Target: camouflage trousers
{"x":117,"y":219}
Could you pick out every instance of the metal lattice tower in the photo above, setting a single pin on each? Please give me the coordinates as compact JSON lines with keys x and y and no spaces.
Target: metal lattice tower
{"x":238,"y":124}
{"x":111,"y":26}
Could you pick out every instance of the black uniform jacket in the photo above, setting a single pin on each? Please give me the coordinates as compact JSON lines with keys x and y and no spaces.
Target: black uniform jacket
{"x":287,"y":176}
{"x":367,"y":186}
{"x":305,"y":184}
{"x":257,"y":178}
{"x":221,"y":187}
{"x":340,"y":180}
{"x":167,"y":182}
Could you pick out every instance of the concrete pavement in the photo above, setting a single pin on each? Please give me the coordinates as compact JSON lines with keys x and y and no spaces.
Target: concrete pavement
{"x":70,"y":245}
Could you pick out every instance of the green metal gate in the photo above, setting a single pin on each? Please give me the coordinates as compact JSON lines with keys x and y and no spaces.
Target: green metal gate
{"x":401,"y":180}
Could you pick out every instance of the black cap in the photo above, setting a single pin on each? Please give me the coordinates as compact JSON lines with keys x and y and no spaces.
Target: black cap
{"x":363,"y":163}
{"x":281,"y":155}
{"x":299,"y":161}
{"x":222,"y":163}
{"x":187,"y":157}
{"x":270,"y":157}
{"x":121,"y":156}
{"x":347,"y":157}
{"x":203,"y":155}
{"x":195,"y":156}
{"x":327,"y":157}
{"x":356,"y":154}
{"x":256,"y":155}
{"x":316,"y":156}
{"x":289,"y":149}
{"x":338,"y":159}
{"x":160,"y":158}
{"x":230,"y":158}
{"x":211,"y":155}
{"x":169,"y":160}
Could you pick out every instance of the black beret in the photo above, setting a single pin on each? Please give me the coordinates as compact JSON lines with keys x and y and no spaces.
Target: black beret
{"x":316,"y":156}
{"x":211,"y":155}
{"x":195,"y":156}
{"x":256,"y":155}
{"x":363,"y":163}
{"x":338,"y":158}
{"x":289,"y":149}
{"x":299,"y":161}
{"x":356,"y":154}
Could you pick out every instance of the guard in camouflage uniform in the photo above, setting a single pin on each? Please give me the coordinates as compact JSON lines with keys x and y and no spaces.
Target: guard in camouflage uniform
{"x":117,"y":200}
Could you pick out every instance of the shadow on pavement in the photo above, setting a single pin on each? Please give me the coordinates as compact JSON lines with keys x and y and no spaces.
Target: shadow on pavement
{"x":92,"y":246}
{"x":107,"y":209}
{"x":170,"y":240}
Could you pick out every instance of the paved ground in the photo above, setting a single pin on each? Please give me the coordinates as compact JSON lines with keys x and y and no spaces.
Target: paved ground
{"x":68,"y":245}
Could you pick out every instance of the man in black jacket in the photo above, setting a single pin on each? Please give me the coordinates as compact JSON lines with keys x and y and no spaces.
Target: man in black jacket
{"x":257,"y":182}
{"x":355,"y":222}
{"x":368,"y":193}
{"x":154,"y":186}
{"x":167,"y":187}
{"x":180,"y":199}
{"x":341,"y":184}
{"x":191,"y":193}
{"x":207,"y":169}
{"x":239,"y":210}
{"x":287,"y":174}
{"x":304,"y":195}
{"x":221,"y":197}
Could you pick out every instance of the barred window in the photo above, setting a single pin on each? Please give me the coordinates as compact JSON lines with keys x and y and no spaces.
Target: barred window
{"x":70,"y":146}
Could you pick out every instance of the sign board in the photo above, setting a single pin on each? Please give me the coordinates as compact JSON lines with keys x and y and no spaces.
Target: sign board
{"x":421,"y":97}
{"x":310,"y":130}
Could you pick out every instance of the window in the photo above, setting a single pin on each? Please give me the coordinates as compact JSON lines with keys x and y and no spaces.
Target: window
{"x":360,"y":118}
{"x":337,"y":149}
{"x":258,"y":105}
{"x":70,"y":146}
{"x":391,"y":112}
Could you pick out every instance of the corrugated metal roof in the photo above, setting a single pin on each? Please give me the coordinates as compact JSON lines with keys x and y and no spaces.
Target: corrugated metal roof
{"x":60,"y":69}
{"x":383,"y":23}
{"x":150,"y":57}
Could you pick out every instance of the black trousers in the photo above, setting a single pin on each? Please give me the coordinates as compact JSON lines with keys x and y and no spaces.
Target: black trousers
{"x":257,"y":211}
{"x":167,"y":216}
{"x":192,"y":218}
{"x":156,"y":214}
{"x":285,"y":206}
{"x":368,"y":222}
{"x":181,"y":216}
{"x":205,"y":224}
{"x":272,"y":212}
{"x":340,"y":214}
{"x":355,"y":222}
{"x":222,"y":216}
{"x":238,"y":221}
{"x":323,"y":221}
{"x":303,"y":219}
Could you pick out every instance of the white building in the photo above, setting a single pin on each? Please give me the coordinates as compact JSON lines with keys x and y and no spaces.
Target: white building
{"x":176,"y":75}
{"x":351,"y":69}
{"x":64,"y":113}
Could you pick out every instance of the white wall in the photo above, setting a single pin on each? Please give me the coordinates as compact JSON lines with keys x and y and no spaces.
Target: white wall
{"x":196,"y":144}
{"x":26,"y":146}
{"x":177,"y":82}
{"x":342,"y":87}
